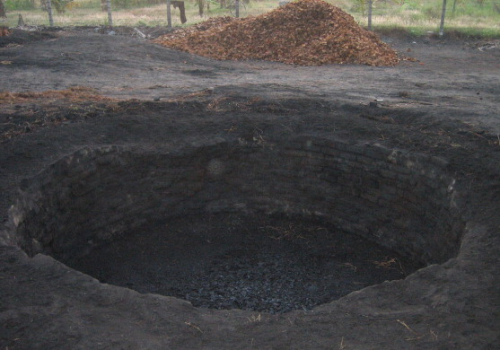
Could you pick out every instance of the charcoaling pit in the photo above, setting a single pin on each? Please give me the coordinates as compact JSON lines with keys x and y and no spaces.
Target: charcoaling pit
{"x":271,"y":227}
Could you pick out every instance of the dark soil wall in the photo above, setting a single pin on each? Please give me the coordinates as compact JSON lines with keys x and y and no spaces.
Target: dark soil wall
{"x":402,"y":201}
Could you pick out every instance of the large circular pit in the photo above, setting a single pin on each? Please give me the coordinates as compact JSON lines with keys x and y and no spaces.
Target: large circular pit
{"x":266,"y":226}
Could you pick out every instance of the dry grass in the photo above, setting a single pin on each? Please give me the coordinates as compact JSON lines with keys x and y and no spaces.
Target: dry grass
{"x":155,"y":15}
{"x":27,"y":112}
{"x":255,"y":318}
{"x":393,"y":263}
{"x":396,"y":20}
{"x":88,"y":12}
{"x":150,"y":16}
{"x":74,"y":94}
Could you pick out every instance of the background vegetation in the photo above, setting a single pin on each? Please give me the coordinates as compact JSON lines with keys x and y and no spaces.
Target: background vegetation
{"x":480,"y":17}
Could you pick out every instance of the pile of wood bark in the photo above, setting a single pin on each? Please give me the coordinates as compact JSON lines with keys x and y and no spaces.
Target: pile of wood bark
{"x":4,"y":31}
{"x":305,"y":32}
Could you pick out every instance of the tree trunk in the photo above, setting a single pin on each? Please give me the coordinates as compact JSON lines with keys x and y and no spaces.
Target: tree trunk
{"x":2,"y":9}
{"x":201,"y":5}
{"x":182,"y":9}
{"x":49,"y":10}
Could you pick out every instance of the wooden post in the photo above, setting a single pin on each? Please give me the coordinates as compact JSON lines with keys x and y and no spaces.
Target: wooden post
{"x":3,"y":13}
{"x":237,"y":8}
{"x":169,"y":15}
{"x":443,"y":14}
{"x":110,"y":17}
{"x":370,"y":9}
{"x":49,"y":10}
{"x":201,"y":7}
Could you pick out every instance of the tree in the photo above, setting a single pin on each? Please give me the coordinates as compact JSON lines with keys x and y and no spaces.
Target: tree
{"x":2,"y":9}
{"x":201,"y":6}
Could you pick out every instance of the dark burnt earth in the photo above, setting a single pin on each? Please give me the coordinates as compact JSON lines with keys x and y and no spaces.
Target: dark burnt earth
{"x":209,"y":149}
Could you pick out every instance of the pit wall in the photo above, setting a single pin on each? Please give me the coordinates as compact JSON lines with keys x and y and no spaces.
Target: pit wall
{"x":402,"y":201}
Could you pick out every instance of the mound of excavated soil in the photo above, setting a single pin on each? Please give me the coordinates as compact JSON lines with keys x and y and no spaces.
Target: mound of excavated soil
{"x":306,"y":32}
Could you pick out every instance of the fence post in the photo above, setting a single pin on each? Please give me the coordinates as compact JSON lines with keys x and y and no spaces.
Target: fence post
{"x":370,"y":9}
{"x":169,"y":15}
{"x":443,"y":14}
{"x":49,"y":10}
{"x":110,"y":17}
{"x":237,"y":8}
{"x":3,"y":13}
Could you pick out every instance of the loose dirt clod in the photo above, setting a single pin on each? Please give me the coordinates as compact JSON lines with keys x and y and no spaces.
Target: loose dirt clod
{"x":306,"y":32}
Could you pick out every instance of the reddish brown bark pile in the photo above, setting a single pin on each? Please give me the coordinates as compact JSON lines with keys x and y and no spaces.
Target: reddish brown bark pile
{"x":4,"y":31}
{"x":305,"y":32}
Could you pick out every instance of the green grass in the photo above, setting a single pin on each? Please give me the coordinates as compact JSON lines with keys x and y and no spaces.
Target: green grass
{"x":454,"y":32}
{"x":88,"y":12}
{"x":416,"y":16}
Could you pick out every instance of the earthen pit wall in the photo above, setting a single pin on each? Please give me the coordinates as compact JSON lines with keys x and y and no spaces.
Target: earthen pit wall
{"x":403,"y":201}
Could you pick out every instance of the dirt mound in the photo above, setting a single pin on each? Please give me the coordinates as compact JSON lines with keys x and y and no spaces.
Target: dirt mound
{"x":306,"y":32}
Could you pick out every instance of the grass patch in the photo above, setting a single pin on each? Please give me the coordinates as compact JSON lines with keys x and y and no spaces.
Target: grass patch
{"x":450,"y":32}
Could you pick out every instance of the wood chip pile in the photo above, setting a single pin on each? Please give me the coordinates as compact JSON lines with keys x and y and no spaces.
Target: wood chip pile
{"x":4,"y":31}
{"x":305,"y":32}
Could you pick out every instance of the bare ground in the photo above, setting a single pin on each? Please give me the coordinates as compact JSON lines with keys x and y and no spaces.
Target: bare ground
{"x":444,"y":104}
